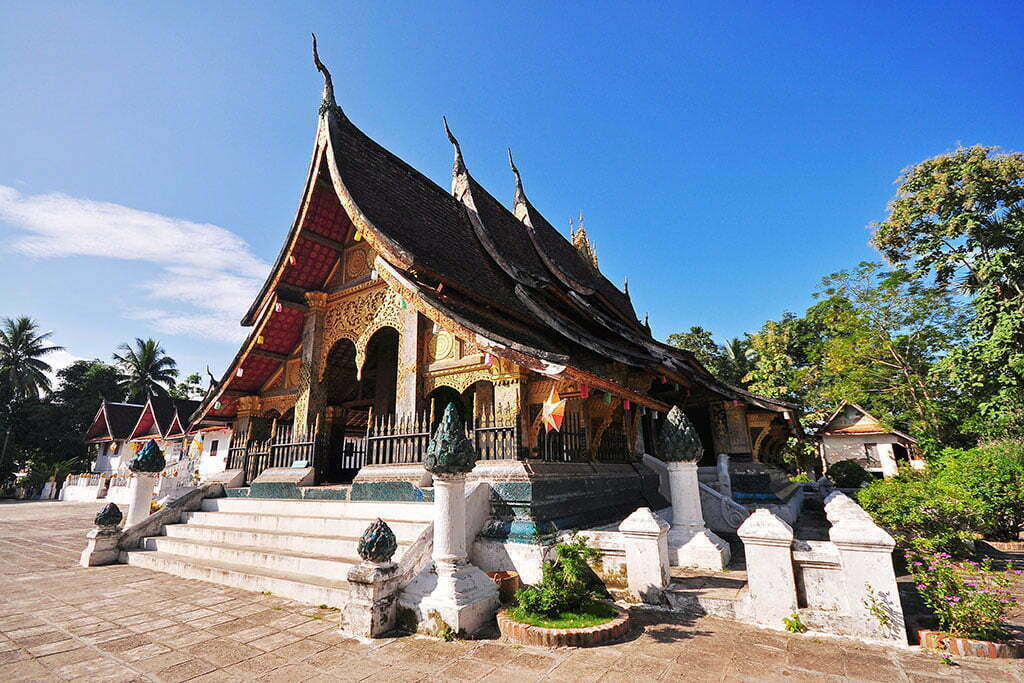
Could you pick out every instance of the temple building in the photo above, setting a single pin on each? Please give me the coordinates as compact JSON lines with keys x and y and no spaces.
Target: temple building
{"x":109,"y":434}
{"x":393,"y":297}
{"x":435,"y":385}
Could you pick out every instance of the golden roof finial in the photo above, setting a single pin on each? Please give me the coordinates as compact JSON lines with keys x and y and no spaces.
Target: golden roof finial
{"x":582,"y":242}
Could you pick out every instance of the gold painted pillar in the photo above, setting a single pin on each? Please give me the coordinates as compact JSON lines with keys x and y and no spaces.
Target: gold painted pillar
{"x":406,"y":386}
{"x":310,"y":402}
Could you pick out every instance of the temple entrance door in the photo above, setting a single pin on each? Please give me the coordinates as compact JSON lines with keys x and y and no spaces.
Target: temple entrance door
{"x":341,"y":389}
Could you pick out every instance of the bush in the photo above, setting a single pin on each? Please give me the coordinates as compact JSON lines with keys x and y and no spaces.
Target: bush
{"x":800,"y":479}
{"x":993,"y":474}
{"x":565,"y":586}
{"x":924,"y":513}
{"x":846,"y":474}
{"x":970,"y":599}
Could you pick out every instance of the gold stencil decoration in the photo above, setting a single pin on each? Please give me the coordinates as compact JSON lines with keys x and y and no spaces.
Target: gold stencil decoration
{"x":442,"y":345}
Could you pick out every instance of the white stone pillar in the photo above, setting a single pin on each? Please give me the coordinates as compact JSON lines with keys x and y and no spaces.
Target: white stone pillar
{"x":767,"y":543}
{"x":141,"y":495}
{"x":690,"y":543}
{"x":724,"y":478}
{"x":460,"y":593}
{"x":865,"y":552}
{"x":645,"y":537}
{"x":449,"y":520}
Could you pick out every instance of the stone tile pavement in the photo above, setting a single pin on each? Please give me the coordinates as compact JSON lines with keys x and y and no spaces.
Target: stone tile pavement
{"x":59,"y":621}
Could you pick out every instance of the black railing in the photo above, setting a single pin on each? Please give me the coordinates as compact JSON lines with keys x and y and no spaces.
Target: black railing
{"x":391,"y":440}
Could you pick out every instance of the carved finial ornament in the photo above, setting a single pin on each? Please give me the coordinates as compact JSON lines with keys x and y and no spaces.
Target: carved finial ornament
{"x":109,"y":516}
{"x":520,"y":194}
{"x":378,"y":543}
{"x":328,"y":103}
{"x":459,"y":167}
{"x":678,"y":440}
{"x":149,"y":459}
{"x":449,"y":451}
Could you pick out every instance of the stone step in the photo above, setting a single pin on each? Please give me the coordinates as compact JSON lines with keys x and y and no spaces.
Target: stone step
{"x":335,"y":509}
{"x":312,"y":544}
{"x":405,"y":530}
{"x":277,"y":560}
{"x":312,"y":590}
{"x":714,"y":593}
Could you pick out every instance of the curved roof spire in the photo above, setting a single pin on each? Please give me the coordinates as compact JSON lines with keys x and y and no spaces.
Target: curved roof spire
{"x":459,"y":168}
{"x":328,"y":101}
{"x":520,"y":197}
{"x":625,"y":286}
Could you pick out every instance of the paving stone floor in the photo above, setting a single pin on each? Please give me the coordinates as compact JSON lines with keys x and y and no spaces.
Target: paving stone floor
{"x":59,"y":621}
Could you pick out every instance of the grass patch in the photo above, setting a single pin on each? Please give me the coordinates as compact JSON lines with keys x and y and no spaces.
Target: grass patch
{"x":595,"y":613}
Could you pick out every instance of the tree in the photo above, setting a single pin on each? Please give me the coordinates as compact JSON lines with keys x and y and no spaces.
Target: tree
{"x":82,"y":385}
{"x":698,"y":341}
{"x":737,"y":361}
{"x":22,"y":370}
{"x":189,"y":388}
{"x":147,"y":369}
{"x":959,"y":218}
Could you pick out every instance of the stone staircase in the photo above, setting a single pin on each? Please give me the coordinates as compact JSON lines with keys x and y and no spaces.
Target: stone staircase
{"x":297,"y":549}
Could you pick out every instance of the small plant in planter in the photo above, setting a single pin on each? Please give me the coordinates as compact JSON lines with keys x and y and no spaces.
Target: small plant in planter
{"x":565,"y":602}
{"x":969,"y":598}
{"x":566,"y":595}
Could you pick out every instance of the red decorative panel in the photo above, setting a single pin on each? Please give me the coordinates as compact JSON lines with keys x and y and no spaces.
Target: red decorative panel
{"x":326,"y":216}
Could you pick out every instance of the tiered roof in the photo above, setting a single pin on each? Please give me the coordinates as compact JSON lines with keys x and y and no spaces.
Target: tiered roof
{"x":113,"y":422}
{"x":163,"y":418}
{"x":508,"y":281}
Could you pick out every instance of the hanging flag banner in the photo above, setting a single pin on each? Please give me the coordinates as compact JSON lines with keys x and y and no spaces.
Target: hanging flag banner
{"x":584,"y":391}
{"x":553,"y":411}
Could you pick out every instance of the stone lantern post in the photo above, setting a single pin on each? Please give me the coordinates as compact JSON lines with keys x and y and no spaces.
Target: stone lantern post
{"x":101,"y":542}
{"x":146,"y":466}
{"x":462,"y":595}
{"x":374,"y":581}
{"x":690,"y":543}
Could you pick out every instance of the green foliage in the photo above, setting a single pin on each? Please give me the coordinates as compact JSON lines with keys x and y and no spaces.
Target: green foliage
{"x":847,"y":474}
{"x":567,"y":585}
{"x":730,"y":362}
{"x":994,"y":474}
{"x":959,"y":218}
{"x":22,"y":370}
{"x":189,"y":388}
{"x":794,"y":624}
{"x":970,"y":599}
{"x":146,"y":368}
{"x":925,"y":513}
{"x":591,"y":614}
{"x":801,"y":478}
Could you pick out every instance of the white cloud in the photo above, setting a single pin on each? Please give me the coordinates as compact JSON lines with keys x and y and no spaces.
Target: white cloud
{"x":209,"y":273}
{"x":58,"y":360}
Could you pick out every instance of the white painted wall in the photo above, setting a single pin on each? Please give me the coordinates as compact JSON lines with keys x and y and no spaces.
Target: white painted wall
{"x":212,"y":464}
{"x":852,"y":447}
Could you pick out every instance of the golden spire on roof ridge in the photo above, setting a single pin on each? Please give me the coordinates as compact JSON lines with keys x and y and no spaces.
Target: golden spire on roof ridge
{"x":328,"y":102}
{"x":582,"y":242}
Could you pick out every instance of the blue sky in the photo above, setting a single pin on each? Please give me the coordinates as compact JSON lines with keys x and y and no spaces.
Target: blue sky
{"x":726,"y":155}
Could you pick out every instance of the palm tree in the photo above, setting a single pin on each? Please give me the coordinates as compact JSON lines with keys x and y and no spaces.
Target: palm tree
{"x":739,"y":359}
{"x":22,"y":373}
{"x":147,"y":369}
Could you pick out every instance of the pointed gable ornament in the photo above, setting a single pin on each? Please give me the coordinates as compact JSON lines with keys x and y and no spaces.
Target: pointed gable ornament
{"x":520,"y":196}
{"x":678,"y":440}
{"x":449,"y":451}
{"x":328,"y":103}
{"x":459,"y":165}
{"x":149,"y":459}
